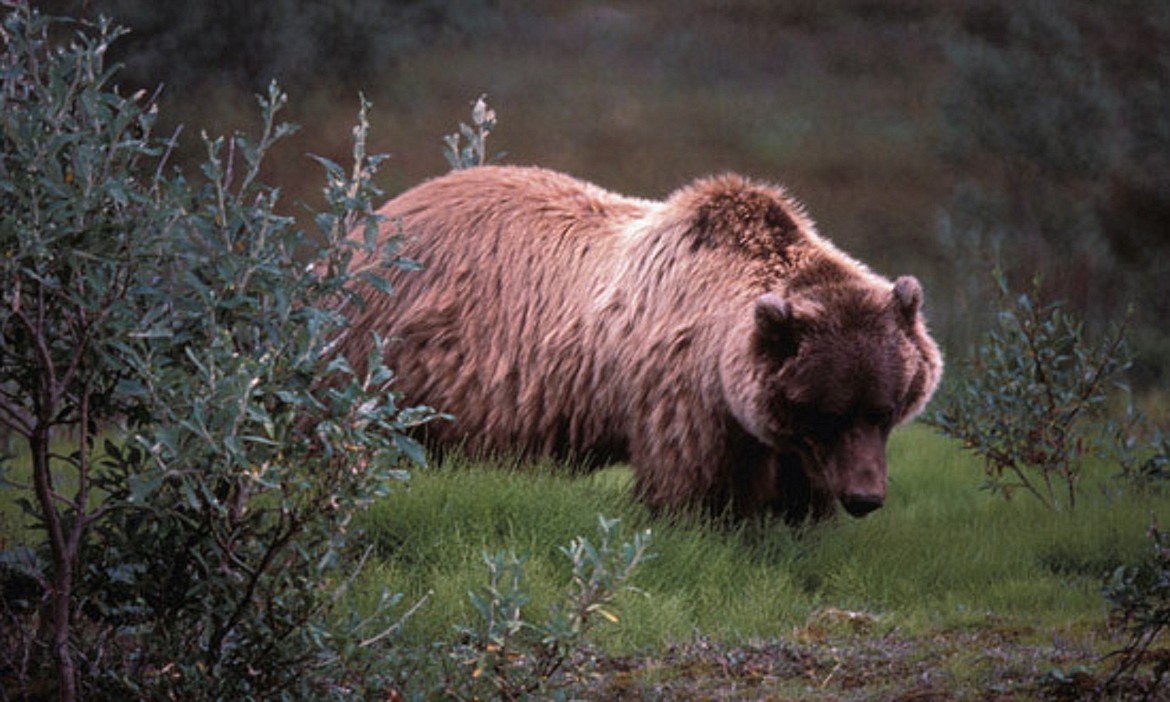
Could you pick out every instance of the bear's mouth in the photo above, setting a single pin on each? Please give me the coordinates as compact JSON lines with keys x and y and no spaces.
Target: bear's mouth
{"x":860,"y":505}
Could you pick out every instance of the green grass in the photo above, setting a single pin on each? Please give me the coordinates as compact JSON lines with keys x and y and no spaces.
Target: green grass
{"x":941,"y":556}
{"x":14,"y":468}
{"x":16,"y":481}
{"x":947,"y":581}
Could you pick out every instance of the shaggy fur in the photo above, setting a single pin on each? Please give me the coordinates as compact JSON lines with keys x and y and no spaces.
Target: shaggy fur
{"x":714,"y":340}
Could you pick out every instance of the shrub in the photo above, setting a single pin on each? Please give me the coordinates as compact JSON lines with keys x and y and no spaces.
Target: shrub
{"x":197,"y":454}
{"x":511,"y":656}
{"x":1032,"y":398}
{"x":1139,"y":597}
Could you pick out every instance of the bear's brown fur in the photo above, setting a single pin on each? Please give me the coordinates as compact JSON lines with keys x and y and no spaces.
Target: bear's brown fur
{"x":714,"y":340}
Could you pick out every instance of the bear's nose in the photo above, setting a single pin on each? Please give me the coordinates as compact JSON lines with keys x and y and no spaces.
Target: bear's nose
{"x":861,"y":505}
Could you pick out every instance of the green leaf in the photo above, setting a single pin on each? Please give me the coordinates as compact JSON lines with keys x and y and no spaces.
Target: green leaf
{"x":131,"y":387}
{"x":412,"y":449}
{"x":143,"y":485}
{"x":379,"y":283}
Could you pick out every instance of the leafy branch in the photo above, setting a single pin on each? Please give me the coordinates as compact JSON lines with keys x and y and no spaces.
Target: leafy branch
{"x":474,"y":152}
{"x":518,"y":657}
{"x":1031,"y":398}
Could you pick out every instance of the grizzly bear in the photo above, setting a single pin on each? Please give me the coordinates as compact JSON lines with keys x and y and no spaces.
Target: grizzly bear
{"x":735,"y":358}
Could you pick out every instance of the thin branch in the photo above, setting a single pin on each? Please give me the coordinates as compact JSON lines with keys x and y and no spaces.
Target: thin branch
{"x":398,"y":624}
{"x":171,"y":143}
{"x":82,"y":494}
{"x":291,"y":528}
{"x":41,"y":349}
{"x":1003,"y":461}
{"x":15,"y":417}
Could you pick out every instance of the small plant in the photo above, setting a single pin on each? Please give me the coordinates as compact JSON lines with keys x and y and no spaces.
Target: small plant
{"x":511,"y":657}
{"x":1141,"y":452}
{"x":474,"y":153}
{"x":1032,"y":398}
{"x":1139,"y":596}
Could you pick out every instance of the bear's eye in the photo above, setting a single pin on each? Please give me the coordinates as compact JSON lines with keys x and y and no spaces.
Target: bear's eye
{"x":821,"y":424}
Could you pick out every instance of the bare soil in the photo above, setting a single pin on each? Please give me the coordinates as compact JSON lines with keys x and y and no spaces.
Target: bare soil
{"x":986,"y":664}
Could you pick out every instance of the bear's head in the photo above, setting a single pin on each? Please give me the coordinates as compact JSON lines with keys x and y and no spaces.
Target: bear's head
{"x":822,"y":376}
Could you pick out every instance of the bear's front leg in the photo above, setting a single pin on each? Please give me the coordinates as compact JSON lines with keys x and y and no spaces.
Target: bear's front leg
{"x":793,"y":495}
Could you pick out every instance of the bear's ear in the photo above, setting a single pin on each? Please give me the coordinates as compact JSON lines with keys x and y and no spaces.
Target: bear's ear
{"x":908,"y":297}
{"x":776,"y":333}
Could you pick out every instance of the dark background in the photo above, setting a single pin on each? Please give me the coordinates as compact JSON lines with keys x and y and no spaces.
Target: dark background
{"x":932,"y":137}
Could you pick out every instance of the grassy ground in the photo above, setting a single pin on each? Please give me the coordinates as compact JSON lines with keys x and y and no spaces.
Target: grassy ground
{"x":947,"y":591}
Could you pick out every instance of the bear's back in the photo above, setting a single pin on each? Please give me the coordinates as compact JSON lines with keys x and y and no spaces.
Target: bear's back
{"x":496,"y":328}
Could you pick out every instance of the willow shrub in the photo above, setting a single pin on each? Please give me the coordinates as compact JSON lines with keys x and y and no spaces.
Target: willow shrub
{"x":1033,"y":400}
{"x":197,"y":454}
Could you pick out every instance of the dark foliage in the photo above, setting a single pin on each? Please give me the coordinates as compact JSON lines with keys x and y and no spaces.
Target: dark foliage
{"x":1057,"y":122}
{"x":298,"y":42}
{"x":1139,"y":597}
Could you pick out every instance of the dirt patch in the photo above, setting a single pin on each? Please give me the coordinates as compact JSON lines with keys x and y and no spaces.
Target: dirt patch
{"x":997,"y":665}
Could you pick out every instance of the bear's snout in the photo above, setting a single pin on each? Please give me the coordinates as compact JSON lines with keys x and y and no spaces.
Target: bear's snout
{"x":861,"y":505}
{"x":857,"y":469}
